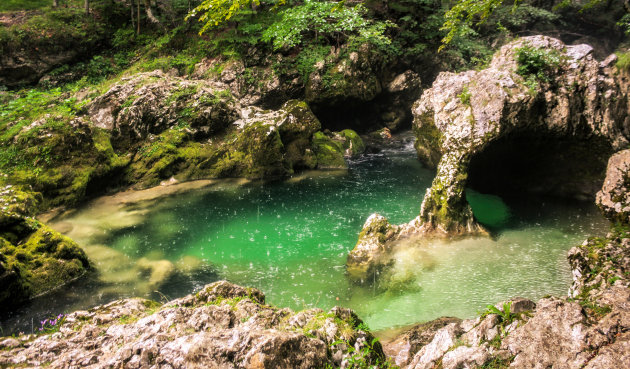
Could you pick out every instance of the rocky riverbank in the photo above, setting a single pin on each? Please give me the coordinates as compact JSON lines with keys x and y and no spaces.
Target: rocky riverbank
{"x":221,"y":326}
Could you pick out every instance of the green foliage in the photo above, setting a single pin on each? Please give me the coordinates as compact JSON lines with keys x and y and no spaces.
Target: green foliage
{"x":624,"y":23}
{"x":214,"y":13}
{"x":9,"y":5}
{"x":623,"y":61}
{"x":53,"y":28}
{"x":465,"y":96}
{"x":505,"y":315}
{"x":52,"y":324}
{"x":537,"y":62}
{"x":459,"y":19}
{"x":98,"y":69}
{"x":325,"y":19}
{"x":365,"y":358}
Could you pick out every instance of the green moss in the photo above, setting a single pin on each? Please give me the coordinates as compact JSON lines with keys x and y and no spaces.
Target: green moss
{"x":38,"y":260}
{"x":623,"y":61}
{"x":352,"y":141}
{"x":428,"y":141}
{"x":465,"y":96}
{"x":329,"y":152}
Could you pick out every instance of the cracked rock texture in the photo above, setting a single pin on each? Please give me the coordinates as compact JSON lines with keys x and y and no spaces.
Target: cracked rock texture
{"x":222,"y":326}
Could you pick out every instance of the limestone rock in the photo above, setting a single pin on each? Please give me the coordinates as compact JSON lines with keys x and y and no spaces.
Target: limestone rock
{"x":465,"y":116}
{"x":222,"y":326}
{"x":552,"y":337}
{"x":443,"y":340}
{"x":354,"y":78}
{"x":403,"y":348}
{"x":465,"y":357}
{"x":365,"y":258}
{"x":614,"y":197}
{"x":149,"y":103}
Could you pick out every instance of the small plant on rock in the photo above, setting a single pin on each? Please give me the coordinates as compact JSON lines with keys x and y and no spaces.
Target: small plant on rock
{"x":536,"y":63}
{"x":51,"y":325}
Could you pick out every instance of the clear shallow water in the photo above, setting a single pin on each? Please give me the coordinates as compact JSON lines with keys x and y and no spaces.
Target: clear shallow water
{"x":290,"y":239}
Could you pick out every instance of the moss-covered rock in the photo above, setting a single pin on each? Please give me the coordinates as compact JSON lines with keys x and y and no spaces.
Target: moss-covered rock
{"x":332,"y":148}
{"x":330,"y":153}
{"x":34,"y":259}
{"x":352,"y":75}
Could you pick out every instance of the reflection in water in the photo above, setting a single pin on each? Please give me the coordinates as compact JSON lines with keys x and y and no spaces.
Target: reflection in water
{"x":291,"y":238}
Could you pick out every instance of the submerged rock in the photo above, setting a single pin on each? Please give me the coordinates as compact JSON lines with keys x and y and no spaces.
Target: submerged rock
{"x":222,"y":326}
{"x":34,"y":259}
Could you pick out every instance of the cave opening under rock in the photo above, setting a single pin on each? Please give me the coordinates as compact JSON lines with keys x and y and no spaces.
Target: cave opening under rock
{"x":364,"y":116}
{"x":541,"y":163}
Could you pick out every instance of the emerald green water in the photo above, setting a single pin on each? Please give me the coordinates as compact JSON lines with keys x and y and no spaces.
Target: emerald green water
{"x":291,"y":238}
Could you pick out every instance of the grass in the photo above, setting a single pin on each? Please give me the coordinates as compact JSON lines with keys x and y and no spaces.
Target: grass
{"x":12,"y":5}
{"x":623,"y":61}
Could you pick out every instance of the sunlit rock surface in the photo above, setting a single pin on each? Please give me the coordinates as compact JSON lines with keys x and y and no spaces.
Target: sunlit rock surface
{"x":574,"y":101}
{"x":614,"y":198}
{"x":221,"y":326}
{"x":462,"y":115}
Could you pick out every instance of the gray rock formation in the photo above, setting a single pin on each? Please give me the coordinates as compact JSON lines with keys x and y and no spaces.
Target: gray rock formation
{"x":614,"y":198}
{"x":571,"y":95}
{"x":504,"y":123}
{"x":587,"y":329}
{"x":222,"y":326}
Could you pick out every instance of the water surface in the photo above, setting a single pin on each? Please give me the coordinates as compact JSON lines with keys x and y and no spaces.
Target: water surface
{"x":291,"y":238}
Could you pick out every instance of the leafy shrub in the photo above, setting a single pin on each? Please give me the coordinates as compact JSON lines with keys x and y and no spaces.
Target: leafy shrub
{"x":331,"y":21}
{"x":98,"y":69}
{"x":537,"y":62}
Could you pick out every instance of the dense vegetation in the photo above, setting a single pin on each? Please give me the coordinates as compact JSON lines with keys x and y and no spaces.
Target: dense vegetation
{"x":272,"y":39}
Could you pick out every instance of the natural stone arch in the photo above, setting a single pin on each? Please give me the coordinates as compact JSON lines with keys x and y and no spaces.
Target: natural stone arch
{"x":464,"y":114}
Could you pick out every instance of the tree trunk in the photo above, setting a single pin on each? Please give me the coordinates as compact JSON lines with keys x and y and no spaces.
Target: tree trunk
{"x":87,"y":6}
{"x":55,"y":3}
{"x":152,"y":18}
{"x":138,"y":18}
{"x":133,"y":24}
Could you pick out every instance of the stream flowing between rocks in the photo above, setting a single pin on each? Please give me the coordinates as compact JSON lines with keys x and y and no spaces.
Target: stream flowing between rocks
{"x":291,"y":238}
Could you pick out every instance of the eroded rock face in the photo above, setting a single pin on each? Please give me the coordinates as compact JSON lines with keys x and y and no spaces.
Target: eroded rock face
{"x":614,"y":198}
{"x":573,"y":101}
{"x":463,"y":114}
{"x":149,"y":103}
{"x":222,"y":326}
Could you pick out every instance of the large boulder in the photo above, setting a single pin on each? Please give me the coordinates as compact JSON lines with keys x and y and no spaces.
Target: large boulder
{"x":221,"y":326}
{"x":150,"y":103}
